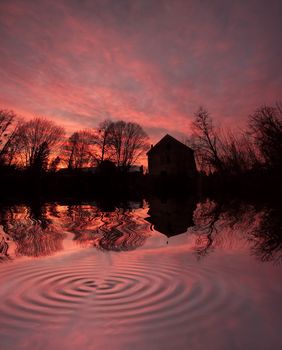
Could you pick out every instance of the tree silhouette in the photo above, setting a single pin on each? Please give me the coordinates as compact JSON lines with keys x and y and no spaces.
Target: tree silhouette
{"x":222,"y":151}
{"x":206,"y":140}
{"x":128,"y":141}
{"x":41,"y":158}
{"x":78,"y":151}
{"x":102,"y":139}
{"x":266,"y":128}
{"x":53,"y":167}
{"x":8,"y":130}
{"x":37,"y":138}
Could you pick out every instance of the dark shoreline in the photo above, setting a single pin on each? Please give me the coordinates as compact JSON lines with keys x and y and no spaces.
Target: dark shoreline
{"x":22,"y":186}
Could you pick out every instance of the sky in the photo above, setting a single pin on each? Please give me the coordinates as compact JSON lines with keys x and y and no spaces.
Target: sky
{"x":153,"y":62}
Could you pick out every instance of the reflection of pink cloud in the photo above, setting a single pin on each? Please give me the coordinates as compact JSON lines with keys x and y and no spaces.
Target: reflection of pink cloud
{"x":153,"y":64}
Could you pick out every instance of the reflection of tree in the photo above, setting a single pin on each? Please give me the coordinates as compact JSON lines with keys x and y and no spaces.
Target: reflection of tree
{"x":117,"y":230}
{"x":53,"y":210}
{"x":5,"y":216}
{"x":3,"y":249}
{"x":216,"y":224}
{"x":123,"y":232}
{"x":82,"y":221}
{"x":31,"y":230}
{"x":206,"y":218}
{"x":267,"y":237}
{"x":38,"y":230}
{"x":32,"y":240}
{"x":38,"y":213}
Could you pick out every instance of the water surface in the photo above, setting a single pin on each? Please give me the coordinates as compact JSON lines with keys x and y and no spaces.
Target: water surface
{"x":157,"y":274}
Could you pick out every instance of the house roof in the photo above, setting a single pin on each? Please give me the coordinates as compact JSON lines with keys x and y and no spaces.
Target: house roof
{"x":172,"y":140}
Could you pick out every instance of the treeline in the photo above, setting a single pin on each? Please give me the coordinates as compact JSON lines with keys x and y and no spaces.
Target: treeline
{"x":258,"y":148}
{"x":224,"y":157}
{"x":39,"y":145}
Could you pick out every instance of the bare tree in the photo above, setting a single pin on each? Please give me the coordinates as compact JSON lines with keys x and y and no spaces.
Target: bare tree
{"x":266,"y":128}
{"x":128,"y":142}
{"x":41,"y":159}
{"x":102,"y":140}
{"x":36,"y":138}
{"x":206,"y":141}
{"x":222,"y":151}
{"x":237,"y":152}
{"x":54,"y":163}
{"x":78,"y":150}
{"x":8,"y":130}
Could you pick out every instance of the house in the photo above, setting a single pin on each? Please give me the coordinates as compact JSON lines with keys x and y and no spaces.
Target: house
{"x":171,"y":157}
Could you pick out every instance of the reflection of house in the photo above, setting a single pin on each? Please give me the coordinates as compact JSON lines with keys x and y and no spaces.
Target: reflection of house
{"x":171,"y":157}
{"x":172,"y":216}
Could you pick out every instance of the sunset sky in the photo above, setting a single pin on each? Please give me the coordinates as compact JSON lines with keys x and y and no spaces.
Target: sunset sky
{"x":153,"y":62}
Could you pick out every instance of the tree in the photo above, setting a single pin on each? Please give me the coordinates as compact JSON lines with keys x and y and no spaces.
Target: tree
{"x":221,"y":151}
{"x":206,"y":141}
{"x":37,"y":138}
{"x":266,"y":128}
{"x":6,"y":119}
{"x":102,"y":139}
{"x":8,"y":129}
{"x":41,"y":158}
{"x":128,"y":141}
{"x":79,"y":149}
{"x":237,"y":153}
{"x":53,"y":167}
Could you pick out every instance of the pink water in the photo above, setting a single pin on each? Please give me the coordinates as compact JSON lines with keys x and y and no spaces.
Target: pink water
{"x":90,"y":282}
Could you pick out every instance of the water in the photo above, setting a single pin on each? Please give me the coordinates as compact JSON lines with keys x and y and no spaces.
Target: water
{"x":163,"y":274}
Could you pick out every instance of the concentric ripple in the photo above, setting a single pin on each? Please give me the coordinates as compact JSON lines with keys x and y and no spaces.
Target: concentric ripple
{"x":139,"y":291}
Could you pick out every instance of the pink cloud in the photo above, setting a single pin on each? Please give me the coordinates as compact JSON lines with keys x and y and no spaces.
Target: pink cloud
{"x":150,"y":63}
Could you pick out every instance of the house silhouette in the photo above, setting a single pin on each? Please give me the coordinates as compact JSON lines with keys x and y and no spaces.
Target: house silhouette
{"x":171,"y":157}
